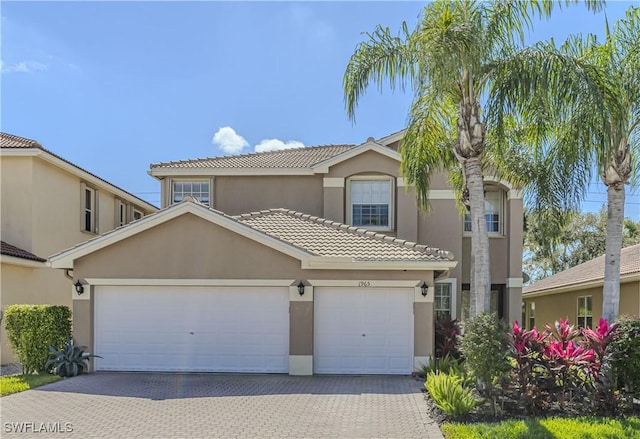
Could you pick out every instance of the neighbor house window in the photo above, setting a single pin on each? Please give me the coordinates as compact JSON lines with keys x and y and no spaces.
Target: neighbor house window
{"x":444,"y":299}
{"x":121,"y":213}
{"x":370,"y":202}
{"x":137,"y":214}
{"x":585,"y":312}
{"x":493,"y":212}
{"x":531,"y":315}
{"x":89,"y":209}
{"x":198,"y":189}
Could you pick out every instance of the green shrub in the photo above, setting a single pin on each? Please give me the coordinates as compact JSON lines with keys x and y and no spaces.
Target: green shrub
{"x":449,"y":394}
{"x":33,"y":328}
{"x":486,"y":347}
{"x":625,"y":353}
{"x":448,"y":365}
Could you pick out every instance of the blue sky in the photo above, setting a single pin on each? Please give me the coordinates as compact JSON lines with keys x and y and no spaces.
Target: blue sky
{"x":115,"y":86}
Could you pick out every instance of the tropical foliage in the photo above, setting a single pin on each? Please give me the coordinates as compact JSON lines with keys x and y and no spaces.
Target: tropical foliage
{"x":455,"y":61}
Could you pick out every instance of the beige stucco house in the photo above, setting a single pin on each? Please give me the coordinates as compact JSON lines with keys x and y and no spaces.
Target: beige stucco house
{"x":49,"y":204}
{"x":310,"y":260}
{"x":576,"y":293}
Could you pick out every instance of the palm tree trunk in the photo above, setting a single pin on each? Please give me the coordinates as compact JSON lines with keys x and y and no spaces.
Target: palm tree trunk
{"x":613,"y":247}
{"x":480,"y":276}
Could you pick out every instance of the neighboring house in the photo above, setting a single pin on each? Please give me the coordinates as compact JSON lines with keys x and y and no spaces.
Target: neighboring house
{"x":213,"y":285}
{"x":576,"y":293}
{"x":49,"y":204}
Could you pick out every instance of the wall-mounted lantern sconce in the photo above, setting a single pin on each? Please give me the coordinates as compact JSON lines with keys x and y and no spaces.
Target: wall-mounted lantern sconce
{"x":301,"y":288}
{"x":425,"y":289}
{"x":79,"y":287}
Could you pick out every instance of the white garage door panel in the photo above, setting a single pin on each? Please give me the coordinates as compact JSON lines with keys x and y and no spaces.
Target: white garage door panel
{"x":218,"y":329}
{"x":363,"y":331}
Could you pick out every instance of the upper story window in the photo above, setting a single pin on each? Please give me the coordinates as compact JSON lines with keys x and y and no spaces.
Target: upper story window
{"x":370,"y":202}
{"x":198,"y":189}
{"x":121,"y":213}
{"x":89,"y":209}
{"x":585,"y":312}
{"x":137,"y":214}
{"x":493,"y":212}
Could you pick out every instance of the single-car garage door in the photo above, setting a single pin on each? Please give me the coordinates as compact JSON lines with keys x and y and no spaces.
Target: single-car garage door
{"x":363,"y":330}
{"x":216,"y":329}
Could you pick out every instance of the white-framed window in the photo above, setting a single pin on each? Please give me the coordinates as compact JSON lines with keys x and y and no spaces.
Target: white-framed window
{"x":198,"y":189}
{"x":493,"y":212}
{"x":137,"y":214}
{"x":89,"y":210}
{"x":585,"y":312}
{"x":370,"y":202}
{"x":444,"y":300}
{"x":122,"y":216}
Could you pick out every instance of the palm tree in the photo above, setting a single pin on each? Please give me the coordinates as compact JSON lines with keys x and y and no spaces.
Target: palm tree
{"x":594,"y":111}
{"x":449,"y":61}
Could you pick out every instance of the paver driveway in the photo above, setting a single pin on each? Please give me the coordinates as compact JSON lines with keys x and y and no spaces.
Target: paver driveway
{"x":141,"y":405}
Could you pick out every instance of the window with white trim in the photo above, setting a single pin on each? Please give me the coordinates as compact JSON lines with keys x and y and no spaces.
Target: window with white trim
{"x":198,"y":189}
{"x":585,"y":312}
{"x":493,"y":212}
{"x":370,"y":202}
{"x":444,"y":299}
{"x":122,"y":217}
{"x":89,"y":209}
{"x":137,"y":214}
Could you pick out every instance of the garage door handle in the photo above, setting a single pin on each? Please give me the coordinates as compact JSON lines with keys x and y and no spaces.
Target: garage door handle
{"x":364,"y":335}
{"x":191,"y":333}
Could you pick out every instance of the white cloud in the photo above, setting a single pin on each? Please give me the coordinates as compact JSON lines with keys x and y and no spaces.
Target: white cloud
{"x":276,"y":144}
{"x":22,"y":67}
{"x":229,"y":141}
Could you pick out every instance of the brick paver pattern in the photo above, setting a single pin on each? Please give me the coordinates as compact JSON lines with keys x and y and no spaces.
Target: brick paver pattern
{"x":165,"y":405}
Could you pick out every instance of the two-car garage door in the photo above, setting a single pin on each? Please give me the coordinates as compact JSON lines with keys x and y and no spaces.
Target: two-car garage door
{"x":246,"y":329}
{"x":217,"y":329}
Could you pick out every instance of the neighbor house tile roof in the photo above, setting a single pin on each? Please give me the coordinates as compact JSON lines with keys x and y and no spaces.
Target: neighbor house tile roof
{"x":288,"y":158}
{"x":327,"y":238}
{"x":11,"y":141}
{"x":16,"y":252}
{"x":589,"y":271}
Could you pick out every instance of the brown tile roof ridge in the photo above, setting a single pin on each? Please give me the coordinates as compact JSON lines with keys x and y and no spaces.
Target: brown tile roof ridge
{"x":11,"y":141}
{"x":589,"y":271}
{"x":429,"y":251}
{"x":11,"y":250}
{"x":233,"y":157}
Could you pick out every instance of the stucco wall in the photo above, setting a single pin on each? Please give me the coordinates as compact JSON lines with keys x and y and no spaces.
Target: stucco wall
{"x":242,"y":194}
{"x":551,"y":307}
{"x":23,"y":285}
{"x":16,"y":199}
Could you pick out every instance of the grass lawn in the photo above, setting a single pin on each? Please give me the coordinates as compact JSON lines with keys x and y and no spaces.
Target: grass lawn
{"x":548,"y":428}
{"x":20,"y":383}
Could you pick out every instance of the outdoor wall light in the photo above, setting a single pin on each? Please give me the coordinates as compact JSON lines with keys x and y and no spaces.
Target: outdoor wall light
{"x":425,"y":289}
{"x":79,"y":287}
{"x":301,"y":288}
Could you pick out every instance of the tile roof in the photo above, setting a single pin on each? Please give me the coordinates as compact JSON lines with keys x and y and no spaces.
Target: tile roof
{"x":287,"y":158}
{"x":322,"y":237}
{"x":11,"y":141}
{"x":589,"y":271}
{"x":16,"y":252}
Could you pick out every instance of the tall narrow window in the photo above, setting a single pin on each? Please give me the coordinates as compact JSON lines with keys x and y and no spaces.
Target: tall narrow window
{"x":370,"y":203}
{"x":493,"y":202}
{"x":531,"y":315}
{"x":197,"y":189}
{"x":442,"y":301}
{"x":121,"y":213}
{"x":89,"y":210}
{"x":585,"y":312}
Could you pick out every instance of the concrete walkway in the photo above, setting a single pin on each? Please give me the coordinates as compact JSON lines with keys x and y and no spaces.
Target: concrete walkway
{"x":162,"y":405}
